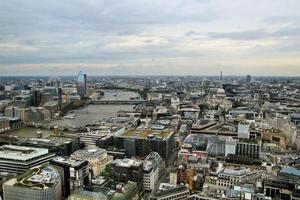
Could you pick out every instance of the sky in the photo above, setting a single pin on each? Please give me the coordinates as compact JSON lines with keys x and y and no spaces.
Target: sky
{"x":150,"y":37}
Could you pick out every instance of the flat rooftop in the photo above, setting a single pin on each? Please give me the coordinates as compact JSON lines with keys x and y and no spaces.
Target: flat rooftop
{"x":126,"y":162}
{"x":143,"y":134}
{"x":291,"y":171}
{"x":41,"y":177}
{"x":250,"y":141}
{"x":89,"y":152}
{"x":67,"y":160}
{"x":20,"y":153}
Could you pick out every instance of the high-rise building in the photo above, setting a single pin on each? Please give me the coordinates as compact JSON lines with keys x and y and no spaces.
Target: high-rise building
{"x":59,"y":97}
{"x":248,"y":78}
{"x":74,"y":173}
{"x":85,"y":79}
{"x":42,"y":182}
{"x":37,"y":96}
{"x":81,"y":84}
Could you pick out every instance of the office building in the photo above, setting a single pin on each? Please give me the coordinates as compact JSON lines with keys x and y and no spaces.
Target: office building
{"x":142,"y":142}
{"x":243,"y":130}
{"x":91,"y":138}
{"x":248,"y":78}
{"x":285,"y":186}
{"x":127,"y":170}
{"x":59,"y":97}
{"x":61,"y":145}
{"x":229,"y":177}
{"x":13,"y":111}
{"x":97,"y":158}
{"x":81,"y":84}
{"x":248,"y":148}
{"x":39,"y":183}
{"x":74,"y":173}
{"x":36,"y":97}
{"x":153,"y":167}
{"x":174,"y":193}
{"x":22,"y":100}
{"x":121,"y":192}
{"x":230,"y":146}
{"x":18,"y":159}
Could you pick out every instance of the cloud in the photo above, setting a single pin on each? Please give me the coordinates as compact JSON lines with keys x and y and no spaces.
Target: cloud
{"x":243,"y":35}
{"x":256,"y":34}
{"x":118,"y":34}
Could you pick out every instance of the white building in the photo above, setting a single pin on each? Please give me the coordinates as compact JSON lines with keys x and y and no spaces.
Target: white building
{"x":97,"y":158}
{"x":229,"y":177}
{"x":18,"y":159}
{"x":40,"y":183}
{"x":153,"y":167}
{"x":90,"y":138}
{"x":243,"y":130}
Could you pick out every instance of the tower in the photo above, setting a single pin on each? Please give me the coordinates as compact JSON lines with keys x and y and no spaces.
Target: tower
{"x":84,"y":75}
{"x":221,"y":80}
{"x":59,"y":97}
{"x":248,"y":78}
{"x":81,"y":84}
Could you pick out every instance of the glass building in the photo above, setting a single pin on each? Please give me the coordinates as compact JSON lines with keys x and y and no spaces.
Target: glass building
{"x":81,"y":84}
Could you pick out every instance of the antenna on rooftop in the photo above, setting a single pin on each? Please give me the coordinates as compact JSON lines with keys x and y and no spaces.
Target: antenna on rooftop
{"x":221,"y":80}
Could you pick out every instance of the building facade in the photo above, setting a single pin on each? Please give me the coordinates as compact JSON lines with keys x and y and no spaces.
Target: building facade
{"x":97,"y":158}
{"x":39,"y":183}
{"x":18,"y":159}
{"x":74,"y":173}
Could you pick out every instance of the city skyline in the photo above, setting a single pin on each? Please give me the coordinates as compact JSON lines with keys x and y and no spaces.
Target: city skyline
{"x":191,"y":37}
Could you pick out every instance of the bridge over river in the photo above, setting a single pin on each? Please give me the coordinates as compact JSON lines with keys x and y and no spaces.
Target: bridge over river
{"x":117,"y":102}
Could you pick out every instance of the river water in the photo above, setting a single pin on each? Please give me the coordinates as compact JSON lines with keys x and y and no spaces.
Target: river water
{"x":92,"y":113}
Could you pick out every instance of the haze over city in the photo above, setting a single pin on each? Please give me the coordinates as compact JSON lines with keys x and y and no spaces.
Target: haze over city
{"x":188,"y":37}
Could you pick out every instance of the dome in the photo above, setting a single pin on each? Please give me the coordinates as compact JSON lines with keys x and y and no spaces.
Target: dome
{"x":220,"y":91}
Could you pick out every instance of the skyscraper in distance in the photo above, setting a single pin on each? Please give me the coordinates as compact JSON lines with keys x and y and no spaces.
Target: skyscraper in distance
{"x":81,"y":84}
{"x":248,"y":78}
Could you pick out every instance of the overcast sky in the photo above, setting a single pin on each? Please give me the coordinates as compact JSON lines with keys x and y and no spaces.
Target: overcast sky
{"x":155,"y":37}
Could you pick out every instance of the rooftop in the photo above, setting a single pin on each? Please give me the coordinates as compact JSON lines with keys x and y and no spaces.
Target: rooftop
{"x":236,"y":170}
{"x":20,"y":153}
{"x":142,"y":134}
{"x":291,"y":171}
{"x":68,"y":160}
{"x":90,"y":152}
{"x":250,"y":141}
{"x":127,"y":162}
{"x":41,"y":177}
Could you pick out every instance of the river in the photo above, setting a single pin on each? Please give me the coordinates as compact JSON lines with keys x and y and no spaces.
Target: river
{"x":92,"y":113}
